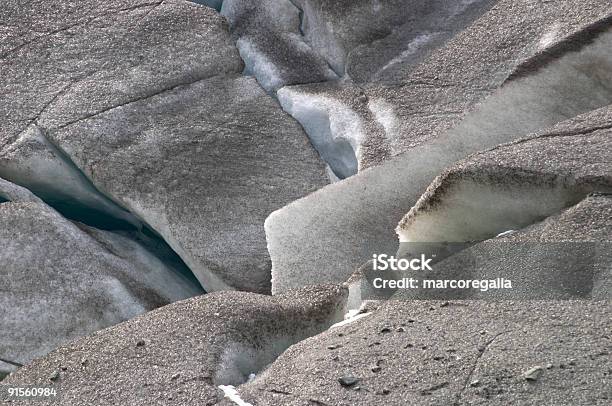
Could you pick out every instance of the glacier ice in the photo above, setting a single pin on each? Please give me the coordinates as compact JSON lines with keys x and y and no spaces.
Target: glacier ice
{"x":60,"y":283}
{"x":33,"y":162}
{"x":333,"y":128}
{"x":362,"y":39}
{"x":271,"y":46}
{"x":232,"y":394}
{"x":224,"y":338}
{"x":515,"y":184}
{"x":234,"y":157}
{"x":350,"y":220}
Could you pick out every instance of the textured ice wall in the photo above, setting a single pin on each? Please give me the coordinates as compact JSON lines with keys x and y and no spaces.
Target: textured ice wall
{"x":326,"y":236}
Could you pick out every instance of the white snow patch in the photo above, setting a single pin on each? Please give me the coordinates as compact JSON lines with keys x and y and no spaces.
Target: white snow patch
{"x":334,"y":129}
{"x":384,"y":113}
{"x":232,"y":394}
{"x":413,"y":47}
{"x":505,"y":233}
{"x":550,"y":36}
{"x":350,"y":317}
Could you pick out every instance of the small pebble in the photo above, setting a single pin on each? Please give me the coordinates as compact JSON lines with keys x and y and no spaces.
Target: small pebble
{"x":347,"y":381}
{"x":533,"y":374}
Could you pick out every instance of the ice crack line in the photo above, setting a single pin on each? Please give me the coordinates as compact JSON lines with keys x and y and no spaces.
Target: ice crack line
{"x":481,"y":353}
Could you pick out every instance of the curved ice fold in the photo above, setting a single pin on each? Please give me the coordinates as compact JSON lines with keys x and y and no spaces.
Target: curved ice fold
{"x":516,"y":184}
{"x":271,"y":45}
{"x":333,"y":128}
{"x":219,"y":339}
{"x":62,"y":280}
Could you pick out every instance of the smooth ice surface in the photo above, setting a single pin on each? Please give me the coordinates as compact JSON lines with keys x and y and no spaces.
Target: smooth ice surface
{"x":333,"y":128}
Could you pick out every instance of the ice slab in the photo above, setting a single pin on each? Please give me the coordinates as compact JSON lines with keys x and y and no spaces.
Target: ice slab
{"x":232,"y":158}
{"x":202,"y":341}
{"x":59,"y":283}
{"x":349,"y":221}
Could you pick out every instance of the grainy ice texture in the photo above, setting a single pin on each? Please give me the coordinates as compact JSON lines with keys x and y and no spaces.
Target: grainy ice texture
{"x":271,"y":44}
{"x":566,"y":256}
{"x":516,"y":184}
{"x":107,"y":87}
{"x":178,"y":354}
{"x":58,"y":283}
{"x":203,"y":165}
{"x":349,"y":221}
{"x":63,"y":61}
{"x":433,"y":353}
{"x":370,"y":40}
